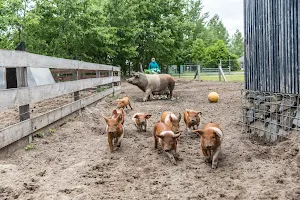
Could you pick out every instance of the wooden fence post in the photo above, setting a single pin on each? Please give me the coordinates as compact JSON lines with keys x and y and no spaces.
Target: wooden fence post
{"x":219,"y":70}
{"x":76,"y":77}
{"x":119,"y":75}
{"x":111,"y":74}
{"x":98,"y":75}
{"x":22,"y":81}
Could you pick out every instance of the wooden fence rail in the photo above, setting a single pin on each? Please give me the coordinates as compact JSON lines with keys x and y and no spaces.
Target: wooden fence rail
{"x":21,"y":96}
{"x":28,"y":95}
{"x":23,"y":59}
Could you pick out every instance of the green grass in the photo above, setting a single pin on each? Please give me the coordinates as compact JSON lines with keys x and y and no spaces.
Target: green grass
{"x":41,"y":134}
{"x":100,"y":89}
{"x":214,"y":77}
{"x":51,"y":130}
{"x":231,"y":77}
{"x":29,"y":147}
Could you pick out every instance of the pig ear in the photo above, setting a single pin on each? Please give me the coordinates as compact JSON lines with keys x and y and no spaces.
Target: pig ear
{"x":218,"y":134}
{"x":148,"y":116}
{"x":136,"y":116}
{"x":179,"y":117}
{"x":177,"y":135}
{"x":119,"y":118}
{"x":171,"y":120}
{"x":200,"y":132}
{"x":114,"y":112}
{"x":199,"y":113}
{"x":160,"y":136}
{"x":106,"y":119}
{"x":123,"y":101}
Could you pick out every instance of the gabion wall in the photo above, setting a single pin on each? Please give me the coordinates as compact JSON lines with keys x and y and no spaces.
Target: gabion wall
{"x":270,"y":116}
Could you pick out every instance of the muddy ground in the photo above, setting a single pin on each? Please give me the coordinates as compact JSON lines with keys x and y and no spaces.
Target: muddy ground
{"x":74,"y":161}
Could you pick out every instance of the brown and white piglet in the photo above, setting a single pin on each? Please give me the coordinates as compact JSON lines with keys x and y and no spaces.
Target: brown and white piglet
{"x":117,"y":112}
{"x":123,"y":103}
{"x":211,"y":139}
{"x":191,"y":119}
{"x":167,"y":139}
{"x":140,"y":121}
{"x":114,"y":131}
{"x":171,"y":120}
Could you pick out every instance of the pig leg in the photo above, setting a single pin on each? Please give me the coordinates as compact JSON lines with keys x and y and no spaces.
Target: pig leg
{"x":110,"y":143}
{"x":120,"y":140}
{"x":215,"y":158}
{"x":176,"y":154}
{"x":171,"y":88}
{"x":170,"y":95}
{"x":207,"y":157}
{"x":155,"y":141}
{"x":148,"y":93}
{"x":173,"y":161}
{"x":188,"y":128}
{"x":129,"y":105}
{"x":137,"y":127}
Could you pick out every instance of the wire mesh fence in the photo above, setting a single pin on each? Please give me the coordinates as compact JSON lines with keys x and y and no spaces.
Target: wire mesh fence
{"x":270,"y":116}
{"x":207,"y":74}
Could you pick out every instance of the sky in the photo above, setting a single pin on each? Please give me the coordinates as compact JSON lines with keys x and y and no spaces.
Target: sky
{"x":230,"y":12}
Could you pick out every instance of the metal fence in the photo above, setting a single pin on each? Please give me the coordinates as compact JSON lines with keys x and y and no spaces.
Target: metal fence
{"x":271,"y":107}
{"x":191,"y":69}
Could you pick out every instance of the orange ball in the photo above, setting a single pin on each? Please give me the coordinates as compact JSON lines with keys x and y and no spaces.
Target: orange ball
{"x":213,"y":97}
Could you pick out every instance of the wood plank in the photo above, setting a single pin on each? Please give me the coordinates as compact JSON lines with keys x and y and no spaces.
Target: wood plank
{"x":25,"y":59}
{"x":28,"y":95}
{"x":22,"y":82}
{"x":17,"y":131}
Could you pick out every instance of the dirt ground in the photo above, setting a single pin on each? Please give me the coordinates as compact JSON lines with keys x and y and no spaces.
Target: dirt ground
{"x":74,"y":162}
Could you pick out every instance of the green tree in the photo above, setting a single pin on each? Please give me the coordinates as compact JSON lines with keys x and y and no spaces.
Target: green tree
{"x":237,"y":44}
{"x":215,"y":53}
{"x":198,"y":50}
{"x":234,"y":64}
{"x":159,"y":30}
{"x":216,"y":31}
{"x":13,"y":22}
{"x":112,"y":31}
{"x":193,"y":28}
{"x":71,"y":29}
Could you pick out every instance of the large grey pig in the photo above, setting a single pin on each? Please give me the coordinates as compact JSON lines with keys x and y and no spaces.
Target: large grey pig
{"x":153,"y":84}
